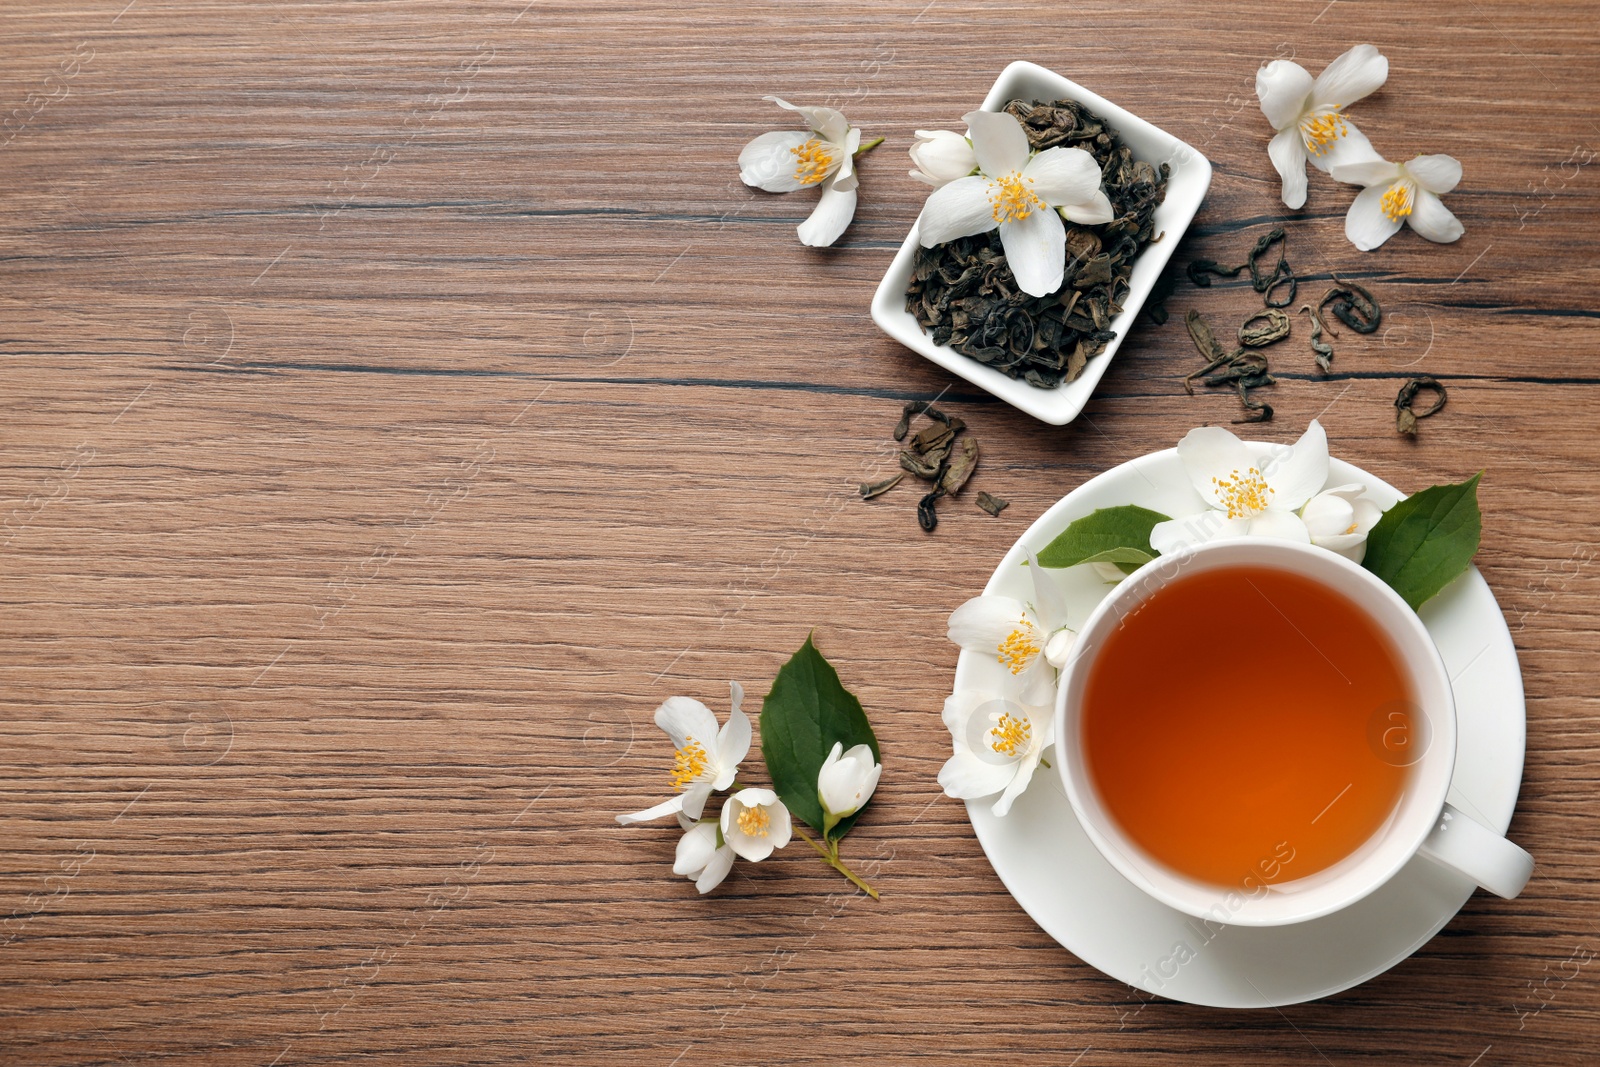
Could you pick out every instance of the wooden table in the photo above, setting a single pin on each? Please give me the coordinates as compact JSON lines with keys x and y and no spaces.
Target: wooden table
{"x":403,"y":399}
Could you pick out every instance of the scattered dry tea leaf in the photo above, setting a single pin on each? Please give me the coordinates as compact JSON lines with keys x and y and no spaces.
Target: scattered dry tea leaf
{"x":1405,"y":419}
{"x":926,"y":467}
{"x":869,"y":490}
{"x":994,"y":505}
{"x":1275,"y":327}
{"x":1320,"y":348}
{"x":927,"y":515}
{"x":1352,"y":305}
{"x":963,"y":461}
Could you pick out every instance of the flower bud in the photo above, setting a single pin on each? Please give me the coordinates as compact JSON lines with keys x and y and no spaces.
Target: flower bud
{"x":847,"y":780}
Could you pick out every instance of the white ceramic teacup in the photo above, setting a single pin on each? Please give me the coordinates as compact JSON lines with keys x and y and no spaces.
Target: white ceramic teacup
{"x":1422,"y":821}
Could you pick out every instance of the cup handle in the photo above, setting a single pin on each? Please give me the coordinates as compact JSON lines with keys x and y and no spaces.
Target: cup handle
{"x":1466,"y":846}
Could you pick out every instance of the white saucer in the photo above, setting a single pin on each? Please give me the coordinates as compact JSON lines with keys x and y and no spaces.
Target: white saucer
{"x":1050,"y":867}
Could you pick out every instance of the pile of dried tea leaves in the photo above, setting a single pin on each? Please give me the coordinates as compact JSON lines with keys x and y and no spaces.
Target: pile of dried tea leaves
{"x":963,"y":294}
{"x":939,"y":453}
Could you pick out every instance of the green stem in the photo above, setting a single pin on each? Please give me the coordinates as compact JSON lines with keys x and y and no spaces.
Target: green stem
{"x":869,"y":146}
{"x":830,"y":855}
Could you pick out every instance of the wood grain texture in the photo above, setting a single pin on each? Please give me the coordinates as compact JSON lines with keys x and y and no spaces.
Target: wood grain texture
{"x":403,"y":398}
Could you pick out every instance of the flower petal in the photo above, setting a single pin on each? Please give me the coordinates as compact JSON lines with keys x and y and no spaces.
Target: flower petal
{"x":826,"y":121}
{"x":830,"y":218}
{"x":1211,"y":452}
{"x":768,"y":162}
{"x":683,"y":718}
{"x":982,"y":623}
{"x":1282,"y":86}
{"x":997,"y":141}
{"x":733,"y":744}
{"x":781,"y":828}
{"x":695,"y":849}
{"x":1357,"y":74}
{"x":695,"y":797}
{"x":958,"y":209}
{"x":1366,"y":172}
{"x":717,"y":869}
{"x":1061,"y":176}
{"x":1280,"y":524}
{"x":1177,"y":534}
{"x":666,"y":807}
{"x":1288,"y":152}
{"x":1092,"y":212}
{"x":966,"y":777}
{"x":1050,"y":605}
{"x":1036,"y":251}
{"x":1037,"y":684}
{"x":1430,"y":218}
{"x":1018,"y":783}
{"x":1438,"y":174}
{"x":1298,"y":475}
{"x":1365,"y":223}
{"x":846,"y":178}
{"x":959,"y":707}
{"x":1353,"y":147}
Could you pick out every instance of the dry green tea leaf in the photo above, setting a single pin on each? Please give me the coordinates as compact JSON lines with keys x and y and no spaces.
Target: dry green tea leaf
{"x":926,"y":467}
{"x":869,"y":490}
{"x":994,"y":505}
{"x":1201,"y":269}
{"x":1263,"y":282}
{"x":1406,"y":416}
{"x":917,"y":407}
{"x":931,"y":438}
{"x":963,"y":461}
{"x":1275,"y":328}
{"x":927,"y":516}
{"x":1352,"y":305}
{"x":1320,"y":348}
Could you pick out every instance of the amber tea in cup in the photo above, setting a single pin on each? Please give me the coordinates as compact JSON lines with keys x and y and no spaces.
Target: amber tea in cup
{"x":1227,"y":725}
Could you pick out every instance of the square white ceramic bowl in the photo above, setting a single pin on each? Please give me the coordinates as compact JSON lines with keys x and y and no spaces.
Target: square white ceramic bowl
{"x":1186,"y":188}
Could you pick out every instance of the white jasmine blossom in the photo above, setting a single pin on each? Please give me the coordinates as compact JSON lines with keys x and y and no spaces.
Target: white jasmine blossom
{"x":754,"y":823}
{"x":786,"y":161}
{"x":1339,"y":520}
{"x":1308,"y":114}
{"x":1024,"y":196}
{"x":705,"y":759}
{"x":1245,"y":497}
{"x":998,"y":745}
{"x":1031,"y":640}
{"x":1400,"y":193}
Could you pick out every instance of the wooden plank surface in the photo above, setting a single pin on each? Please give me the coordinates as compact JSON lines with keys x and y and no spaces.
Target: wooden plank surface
{"x":403,"y":398}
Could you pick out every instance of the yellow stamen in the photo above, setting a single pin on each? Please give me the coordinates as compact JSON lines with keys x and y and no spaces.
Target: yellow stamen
{"x":1019,"y":648}
{"x":1320,"y":131}
{"x":1244,"y":495}
{"x":813,"y":161}
{"x":1010,"y":735}
{"x":1397,"y":202}
{"x":1011,"y":200}
{"x":688,"y":763}
{"x":1352,"y":529}
{"x":754,"y":821}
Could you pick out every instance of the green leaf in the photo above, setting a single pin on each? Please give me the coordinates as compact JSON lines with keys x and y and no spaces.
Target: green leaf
{"x":807,"y":711}
{"x":1119,"y":535}
{"x":1426,"y":540}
